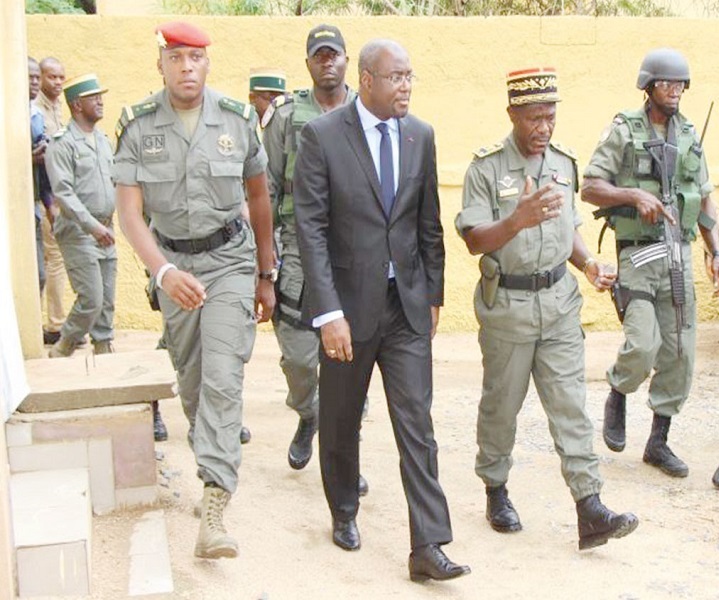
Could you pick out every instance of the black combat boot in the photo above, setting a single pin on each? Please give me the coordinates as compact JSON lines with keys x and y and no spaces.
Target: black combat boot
{"x":615,"y":413}
{"x":159,"y":428}
{"x":597,"y":524}
{"x":300,"y":450}
{"x":658,"y":454}
{"x":500,"y":512}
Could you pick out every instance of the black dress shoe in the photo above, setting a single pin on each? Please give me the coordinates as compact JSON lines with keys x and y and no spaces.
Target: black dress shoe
{"x":429,"y":562}
{"x":362,"y":486}
{"x":345,"y":534}
{"x":245,"y":435}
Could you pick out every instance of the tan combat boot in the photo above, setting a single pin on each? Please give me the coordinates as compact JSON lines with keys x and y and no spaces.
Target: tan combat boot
{"x":213,"y":540}
{"x":63,"y":347}
{"x":104,"y":347}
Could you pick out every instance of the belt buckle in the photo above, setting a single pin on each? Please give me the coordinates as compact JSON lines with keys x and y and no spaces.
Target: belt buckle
{"x":541,"y":280}
{"x":227,"y":232}
{"x":195,"y":246}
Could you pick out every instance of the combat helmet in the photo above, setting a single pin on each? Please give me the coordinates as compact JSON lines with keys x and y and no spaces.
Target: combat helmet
{"x":663,"y":63}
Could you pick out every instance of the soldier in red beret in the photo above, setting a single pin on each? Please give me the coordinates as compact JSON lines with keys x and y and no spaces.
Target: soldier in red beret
{"x":190,"y":159}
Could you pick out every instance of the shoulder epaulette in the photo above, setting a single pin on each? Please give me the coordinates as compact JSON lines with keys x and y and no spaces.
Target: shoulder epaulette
{"x":619,"y":119}
{"x":282,"y":99}
{"x":563,"y":150}
{"x":487,"y":151}
{"x":130,"y":113}
{"x":277,"y":102}
{"x":59,"y":133}
{"x":242,"y":109}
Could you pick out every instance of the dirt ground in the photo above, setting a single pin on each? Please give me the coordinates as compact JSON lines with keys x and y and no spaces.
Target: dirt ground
{"x":281,"y":519}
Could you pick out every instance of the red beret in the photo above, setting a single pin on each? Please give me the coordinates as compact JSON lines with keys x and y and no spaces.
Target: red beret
{"x":177,"y":33}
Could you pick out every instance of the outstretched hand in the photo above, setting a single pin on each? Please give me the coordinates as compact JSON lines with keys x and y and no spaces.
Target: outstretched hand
{"x":535,"y":207}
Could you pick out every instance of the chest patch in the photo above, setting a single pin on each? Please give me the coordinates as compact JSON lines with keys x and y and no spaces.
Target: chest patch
{"x":561,"y":180}
{"x":225,"y":144}
{"x":506,"y":182}
{"x":153,"y":144}
{"x":513,"y":191}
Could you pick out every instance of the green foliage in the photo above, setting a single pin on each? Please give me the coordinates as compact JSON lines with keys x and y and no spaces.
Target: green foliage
{"x":55,"y":7}
{"x":632,"y":8}
{"x":216,"y":7}
{"x":650,"y":8}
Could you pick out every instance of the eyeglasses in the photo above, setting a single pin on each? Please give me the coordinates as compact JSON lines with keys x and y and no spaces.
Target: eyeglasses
{"x":674,"y":86}
{"x":397,"y":79}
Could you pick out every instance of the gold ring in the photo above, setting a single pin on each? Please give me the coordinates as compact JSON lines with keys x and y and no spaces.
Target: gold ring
{"x":545,"y":209}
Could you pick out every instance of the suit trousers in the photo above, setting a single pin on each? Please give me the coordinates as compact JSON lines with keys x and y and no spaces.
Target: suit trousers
{"x":405,"y":361}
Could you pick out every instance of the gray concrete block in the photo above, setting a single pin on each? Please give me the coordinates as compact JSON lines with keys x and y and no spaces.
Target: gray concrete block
{"x":136,"y":496}
{"x":51,"y":507}
{"x":83,"y":381}
{"x":150,"y":570}
{"x":54,"y":570}
{"x":129,"y":426}
{"x":18,"y":434}
{"x":102,"y":475}
{"x":46,"y":457}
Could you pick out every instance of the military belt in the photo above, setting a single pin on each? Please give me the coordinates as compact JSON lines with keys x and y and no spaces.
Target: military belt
{"x":288,"y":187}
{"x":535,"y":281}
{"x":621,"y":244}
{"x":207,"y":244}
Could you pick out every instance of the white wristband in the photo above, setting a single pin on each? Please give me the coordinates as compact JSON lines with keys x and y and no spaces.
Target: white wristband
{"x":161,"y":273}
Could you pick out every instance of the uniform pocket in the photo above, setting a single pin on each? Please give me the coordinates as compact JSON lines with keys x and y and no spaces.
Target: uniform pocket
{"x":226,"y":183}
{"x":158,"y":182}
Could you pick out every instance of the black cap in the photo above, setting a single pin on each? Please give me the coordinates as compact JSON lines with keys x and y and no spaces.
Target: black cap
{"x":325,"y":35}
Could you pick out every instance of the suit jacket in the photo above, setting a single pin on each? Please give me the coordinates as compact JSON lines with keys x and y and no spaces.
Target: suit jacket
{"x":346,"y":241}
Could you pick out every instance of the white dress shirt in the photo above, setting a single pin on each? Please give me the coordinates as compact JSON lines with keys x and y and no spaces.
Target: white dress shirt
{"x":374,"y":137}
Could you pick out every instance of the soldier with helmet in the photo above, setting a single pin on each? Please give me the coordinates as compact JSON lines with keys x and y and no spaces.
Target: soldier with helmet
{"x":518,"y":211}
{"x":649,"y":177}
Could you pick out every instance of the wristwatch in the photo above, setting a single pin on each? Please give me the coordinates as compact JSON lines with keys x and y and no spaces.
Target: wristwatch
{"x":269,"y":275}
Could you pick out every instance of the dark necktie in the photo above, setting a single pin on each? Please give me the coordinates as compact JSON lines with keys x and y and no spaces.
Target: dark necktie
{"x":386,"y":169}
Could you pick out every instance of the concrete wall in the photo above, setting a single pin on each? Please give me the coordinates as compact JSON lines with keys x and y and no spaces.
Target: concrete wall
{"x":461,"y":65}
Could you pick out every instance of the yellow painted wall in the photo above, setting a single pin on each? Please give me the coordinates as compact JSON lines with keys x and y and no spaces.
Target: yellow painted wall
{"x":461,"y":65}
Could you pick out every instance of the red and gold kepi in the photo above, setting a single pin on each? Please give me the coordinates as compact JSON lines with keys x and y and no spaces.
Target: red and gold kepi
{"x":179,"y":33}
{"x":532,"y":86}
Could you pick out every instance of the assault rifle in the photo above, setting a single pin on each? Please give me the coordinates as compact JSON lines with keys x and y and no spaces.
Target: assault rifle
{"x":657,"y":148}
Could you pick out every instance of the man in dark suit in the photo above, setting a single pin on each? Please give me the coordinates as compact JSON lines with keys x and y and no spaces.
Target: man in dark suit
{"x":370,"y":238}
